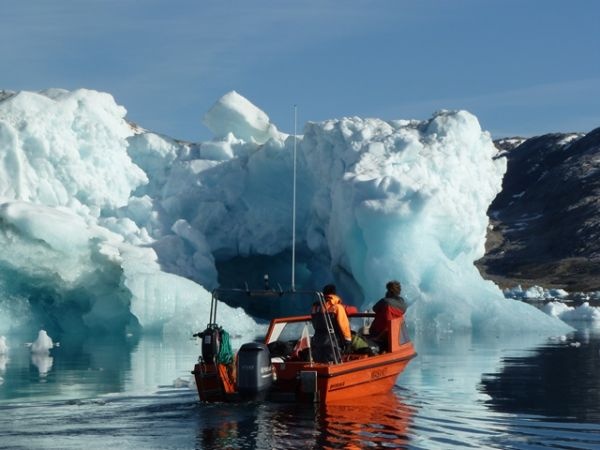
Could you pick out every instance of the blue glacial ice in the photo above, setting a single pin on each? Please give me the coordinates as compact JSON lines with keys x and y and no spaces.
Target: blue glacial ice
{"x":108,"y":227}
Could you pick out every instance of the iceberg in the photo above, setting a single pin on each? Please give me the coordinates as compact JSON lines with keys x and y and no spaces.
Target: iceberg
{"x":43,"y":344}
{"x":107,"y":227}
{"x":73,"y":259}
{"x":582,"y":313}
{"x":3,"y":355}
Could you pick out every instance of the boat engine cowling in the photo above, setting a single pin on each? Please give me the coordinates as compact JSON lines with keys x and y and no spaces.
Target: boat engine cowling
{"x":254,"y":371}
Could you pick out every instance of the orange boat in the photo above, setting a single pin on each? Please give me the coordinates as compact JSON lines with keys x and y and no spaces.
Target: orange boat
{"x":281,"y":367}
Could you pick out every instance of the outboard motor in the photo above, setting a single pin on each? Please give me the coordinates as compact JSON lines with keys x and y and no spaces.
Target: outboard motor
{"x":254,"y":371}
{"x":211,"y":342}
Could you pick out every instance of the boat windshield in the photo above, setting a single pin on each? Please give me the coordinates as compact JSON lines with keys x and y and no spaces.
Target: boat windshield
{"x":289,"y":331}
{"x":292,"y":330}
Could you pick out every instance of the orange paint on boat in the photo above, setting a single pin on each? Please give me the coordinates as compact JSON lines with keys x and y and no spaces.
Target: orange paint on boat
{"x":357,"y":375}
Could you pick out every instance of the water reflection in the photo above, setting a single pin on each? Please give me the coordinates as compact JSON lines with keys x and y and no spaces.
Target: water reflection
{"x":79,"y":368}
{"x":379,"y":420}
{"x":449,"y":367}
{"x":558,"y":380}
{"x":461,"y":391}
{"x":43,"y":362}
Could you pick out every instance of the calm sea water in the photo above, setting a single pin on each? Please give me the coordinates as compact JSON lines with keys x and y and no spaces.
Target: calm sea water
{"x":460,"y":392}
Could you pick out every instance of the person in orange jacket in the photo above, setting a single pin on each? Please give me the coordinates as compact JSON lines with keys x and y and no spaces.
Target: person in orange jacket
{"x":334,"y":306}
{"x":331,"y":291}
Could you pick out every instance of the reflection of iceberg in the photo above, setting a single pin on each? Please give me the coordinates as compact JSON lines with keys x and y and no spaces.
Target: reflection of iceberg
{"x":43,"y":362}
{"x":452,"y":365}
{"x":3,"y":356}
{"x":40,"y":353}
{"x":445,"y":383}
{"x":558,"y":380}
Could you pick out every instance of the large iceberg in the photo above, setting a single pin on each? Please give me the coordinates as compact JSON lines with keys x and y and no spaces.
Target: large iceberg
{"x":72,"y":260}
{"x":105,"y":226}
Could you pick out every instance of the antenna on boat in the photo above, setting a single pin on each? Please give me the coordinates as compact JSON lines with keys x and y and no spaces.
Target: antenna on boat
{"x":294,"y":204}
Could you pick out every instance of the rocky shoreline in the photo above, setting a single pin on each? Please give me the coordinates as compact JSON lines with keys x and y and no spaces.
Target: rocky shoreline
{"x":545,"y":224}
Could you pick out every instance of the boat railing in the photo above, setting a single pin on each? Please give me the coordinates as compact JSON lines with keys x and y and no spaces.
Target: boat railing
{"x":268,"y":291}
{"x":397,"y":335}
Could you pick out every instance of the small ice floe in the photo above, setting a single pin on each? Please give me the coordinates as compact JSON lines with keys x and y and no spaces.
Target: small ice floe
{"x":3,"y":355}
{"x":575,"y":344}
{"x":534,"y":293}
{"x":3,"y":346}
{"x":184,"y":383}
{"x":581,"y":313}
{"x":42,"y":344}
{"x":40,"y":353}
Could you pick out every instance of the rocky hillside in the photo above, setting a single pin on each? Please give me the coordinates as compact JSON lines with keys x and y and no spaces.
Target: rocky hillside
{"x":546,"y":221}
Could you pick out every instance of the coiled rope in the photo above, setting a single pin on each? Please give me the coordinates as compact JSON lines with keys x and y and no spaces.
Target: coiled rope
{"x":225,"y":355}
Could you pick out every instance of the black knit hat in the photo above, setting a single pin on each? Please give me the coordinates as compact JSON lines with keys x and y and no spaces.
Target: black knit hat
{"x":329,"y":289}
{"x":393,"y":288}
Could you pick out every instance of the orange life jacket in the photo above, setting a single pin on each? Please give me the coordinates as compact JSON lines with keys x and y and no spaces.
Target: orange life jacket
{"x":333,"y":305}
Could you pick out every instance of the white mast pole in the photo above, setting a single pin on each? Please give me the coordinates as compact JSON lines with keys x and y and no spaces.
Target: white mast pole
{"x":294,"y":205}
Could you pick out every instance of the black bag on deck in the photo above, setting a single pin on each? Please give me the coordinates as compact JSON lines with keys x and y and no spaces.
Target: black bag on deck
{"x":211,"y":343}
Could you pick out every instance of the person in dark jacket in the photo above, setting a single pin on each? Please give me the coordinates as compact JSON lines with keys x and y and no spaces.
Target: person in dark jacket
{"x":390,"y":307}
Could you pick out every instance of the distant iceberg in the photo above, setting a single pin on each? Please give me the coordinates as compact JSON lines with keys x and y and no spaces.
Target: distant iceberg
{"x":3,"y":346}
{"x":107,"y":227}
{"x":581,"y":313}
{"x":43,"y":344}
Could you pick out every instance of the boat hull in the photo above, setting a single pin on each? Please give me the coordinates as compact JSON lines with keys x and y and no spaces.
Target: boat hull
{"x":339,"y":382}
{"x":316,"y":382}
{"x":295,"y":377}
{"x":345,"y":385}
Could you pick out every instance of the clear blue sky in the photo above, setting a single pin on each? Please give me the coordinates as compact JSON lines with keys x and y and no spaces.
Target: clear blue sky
{"x":522,"y":67}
